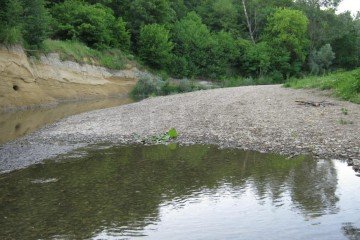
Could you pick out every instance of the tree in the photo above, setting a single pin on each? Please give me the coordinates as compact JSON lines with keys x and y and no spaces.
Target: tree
{"x":320,"y":61}
{"x":36,"y":23}
{"x":121,"y":35}
{"x":142,"y":12}
{"x":255,"y":58}
{"x":219,"y":15}
{"x":223,"y":55}
{"x":286,"y":36}
{"x":192,"y":43}
{"x":11,"y":22}
{"x":91,"y":24}
{"x":154,"y":45}
{"x":346,"y":43}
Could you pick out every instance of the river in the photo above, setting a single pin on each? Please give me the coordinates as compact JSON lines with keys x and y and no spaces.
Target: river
{"x":180,"y":192}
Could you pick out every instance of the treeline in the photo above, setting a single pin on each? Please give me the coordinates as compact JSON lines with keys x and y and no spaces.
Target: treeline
{"x":198,"y":38}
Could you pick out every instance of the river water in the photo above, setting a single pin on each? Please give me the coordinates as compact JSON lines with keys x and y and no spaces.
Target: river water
{"x":19,"y":123}
{"x":172,"y":192}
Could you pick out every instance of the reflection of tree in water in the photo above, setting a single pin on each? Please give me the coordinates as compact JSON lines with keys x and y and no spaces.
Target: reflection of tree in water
{"x":122,"y":188}
{"x":313,"y":188}
{"x":351,"y":232}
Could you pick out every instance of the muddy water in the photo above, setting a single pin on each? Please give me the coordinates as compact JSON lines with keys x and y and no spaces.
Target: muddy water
{"x":172,"y":192}
{"x":19,"y":123}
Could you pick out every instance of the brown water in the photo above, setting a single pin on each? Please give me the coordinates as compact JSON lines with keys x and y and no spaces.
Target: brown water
{"x":20,"y":123}
{"x":172,"y":192}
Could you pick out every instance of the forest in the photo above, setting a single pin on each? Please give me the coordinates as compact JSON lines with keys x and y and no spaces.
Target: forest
{"x":205,"y":39}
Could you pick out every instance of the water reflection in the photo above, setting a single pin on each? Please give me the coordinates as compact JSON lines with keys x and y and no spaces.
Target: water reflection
{"x":351,"y":232}
{"x":19,"y":123}
{"x":172,"y":193}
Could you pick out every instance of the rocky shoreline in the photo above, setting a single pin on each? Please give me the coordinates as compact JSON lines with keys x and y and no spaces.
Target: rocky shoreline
{"x":259,"y":118}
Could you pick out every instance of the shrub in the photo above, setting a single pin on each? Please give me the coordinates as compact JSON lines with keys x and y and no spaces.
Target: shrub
{"x":10,"y":21}
{"x":36,"y":22}
{"x":286,"y":34}
{"x":94,"y":25}
{"x":155,"y":46}
{"x":320,"y":61}
{"x":145,"y":87}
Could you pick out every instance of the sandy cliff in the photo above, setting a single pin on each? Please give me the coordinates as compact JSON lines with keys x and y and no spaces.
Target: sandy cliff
{"x":28,"y":82}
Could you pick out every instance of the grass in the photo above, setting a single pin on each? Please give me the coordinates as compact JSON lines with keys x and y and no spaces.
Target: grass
{"x":240,"y":81}
{"x":345,"y":85}
{"x":79,"y":52}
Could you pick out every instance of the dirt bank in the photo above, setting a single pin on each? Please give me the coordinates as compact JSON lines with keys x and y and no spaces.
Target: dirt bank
{"x":28,"y":82}
{"x":261,"y":118}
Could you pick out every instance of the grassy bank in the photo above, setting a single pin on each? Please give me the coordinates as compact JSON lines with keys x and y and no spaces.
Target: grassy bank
{"x":79,"y":52}
{"x":345,"y":85}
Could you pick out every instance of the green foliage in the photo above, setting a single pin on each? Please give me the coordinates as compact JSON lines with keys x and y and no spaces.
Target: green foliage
{"x":193,"y":38}
{"x":344,"y":111}
{"x":23,"y":21}
{"x":143,"y":12}
{"x":94,"y":25}
{"x":198,"y":52}
{"x":10,"y":35}
{"x":240,"y":81}
{"x":36,"y":22}
{"x":223,"y":54}
{"x":148,"y":86}
{"x":163,"y":138}
{"x":121,"y":35}
{"x":145,"y":87}
{"x":219,"y":15}
{"x":344,"y":122}
{"x":155,"y":46}
{"x":286,"y":36}
{"x":320,"y":61}
{"x":192,"y":42}
{"x":255,"y":58}
{"x":79,"y":52}
{"x":345,"y":85}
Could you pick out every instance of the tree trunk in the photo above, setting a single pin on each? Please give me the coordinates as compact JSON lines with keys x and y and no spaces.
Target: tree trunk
{"x":248,"y":22}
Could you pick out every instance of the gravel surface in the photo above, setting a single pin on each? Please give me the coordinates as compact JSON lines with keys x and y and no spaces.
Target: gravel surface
{"x":260,"y":118}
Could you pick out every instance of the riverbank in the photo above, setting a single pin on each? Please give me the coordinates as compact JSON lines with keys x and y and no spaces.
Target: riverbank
{"x":27,"y":82}
{"x":259,"y":118}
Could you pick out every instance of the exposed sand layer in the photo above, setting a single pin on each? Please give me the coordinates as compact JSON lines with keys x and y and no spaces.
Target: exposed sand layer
{"x":28,"y":82}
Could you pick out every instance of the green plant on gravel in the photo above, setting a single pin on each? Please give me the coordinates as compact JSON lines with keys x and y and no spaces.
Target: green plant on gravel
{"x":344,"y":111}
{"x":163,"y":138}
{"x":344,"y":122}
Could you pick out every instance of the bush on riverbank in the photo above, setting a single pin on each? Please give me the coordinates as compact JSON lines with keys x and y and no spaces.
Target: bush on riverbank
{"x":345,"y":85}
{"x":154,"y":86}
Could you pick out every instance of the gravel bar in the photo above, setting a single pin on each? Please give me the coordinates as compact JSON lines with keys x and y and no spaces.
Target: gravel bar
{"x":259,"y":118}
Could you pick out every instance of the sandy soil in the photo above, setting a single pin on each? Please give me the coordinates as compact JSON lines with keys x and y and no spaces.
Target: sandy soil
{"x":261,"y":118}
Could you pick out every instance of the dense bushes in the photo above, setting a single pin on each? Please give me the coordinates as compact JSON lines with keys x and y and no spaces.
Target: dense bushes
{"x":320,"y":61}
{"x":24,"y":21}
{"x":94,"y":25}
{"x":155,"y":46}
{"x":212,"y":39}
{"x":148,"y":86}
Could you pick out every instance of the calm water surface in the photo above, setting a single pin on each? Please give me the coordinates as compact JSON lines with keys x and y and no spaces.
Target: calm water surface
{"x":18,"y":123}
{"x":171,"y":192}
